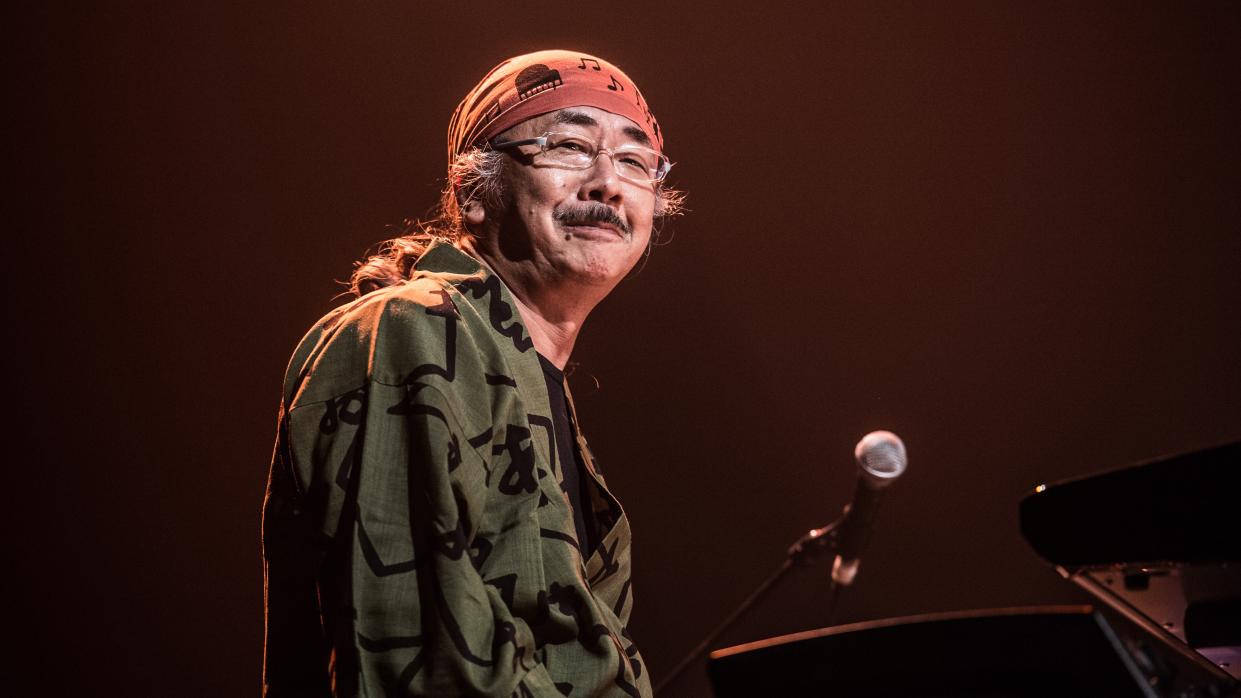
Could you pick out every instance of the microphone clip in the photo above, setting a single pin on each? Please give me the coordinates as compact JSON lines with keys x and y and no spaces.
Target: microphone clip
{"x":817,"y":543}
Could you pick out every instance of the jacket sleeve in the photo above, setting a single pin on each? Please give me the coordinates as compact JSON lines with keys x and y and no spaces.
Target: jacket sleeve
{"x":397,"y":491}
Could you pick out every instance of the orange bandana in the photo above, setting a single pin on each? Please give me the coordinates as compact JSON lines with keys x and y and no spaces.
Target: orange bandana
{"x":537,"y":83}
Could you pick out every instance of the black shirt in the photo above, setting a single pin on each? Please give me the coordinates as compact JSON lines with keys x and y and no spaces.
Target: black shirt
{"x":574,"y":479}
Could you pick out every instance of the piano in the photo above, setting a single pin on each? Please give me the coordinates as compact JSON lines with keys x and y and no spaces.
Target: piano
{"x":1159,"y":544}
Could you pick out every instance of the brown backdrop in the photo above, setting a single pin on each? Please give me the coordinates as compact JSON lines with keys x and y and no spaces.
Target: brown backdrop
{"x":1008,"y":232}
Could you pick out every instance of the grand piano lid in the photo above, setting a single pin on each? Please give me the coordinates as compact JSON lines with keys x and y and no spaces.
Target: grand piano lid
{"x":1159,"y":543}
{"x":1186,"y":509}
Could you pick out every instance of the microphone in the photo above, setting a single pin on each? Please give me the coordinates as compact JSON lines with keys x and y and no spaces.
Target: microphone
{"x":881,"y":458}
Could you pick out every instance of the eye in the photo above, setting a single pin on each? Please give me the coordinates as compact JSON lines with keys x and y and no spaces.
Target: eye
{"x":636,"y":160}
{"x":632,"y":162}
{"x":572,"y":144}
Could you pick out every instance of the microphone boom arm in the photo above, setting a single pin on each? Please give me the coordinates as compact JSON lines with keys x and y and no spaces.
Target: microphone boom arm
{"x":811,"y":547}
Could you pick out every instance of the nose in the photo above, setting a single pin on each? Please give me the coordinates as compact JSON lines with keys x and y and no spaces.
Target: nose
{"x":603,"y":184}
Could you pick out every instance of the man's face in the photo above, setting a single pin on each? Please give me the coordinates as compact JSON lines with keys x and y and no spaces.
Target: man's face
{"x":558,"y":225}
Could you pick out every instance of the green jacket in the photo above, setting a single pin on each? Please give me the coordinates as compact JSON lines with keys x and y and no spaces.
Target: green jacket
{"x":416,"y":539}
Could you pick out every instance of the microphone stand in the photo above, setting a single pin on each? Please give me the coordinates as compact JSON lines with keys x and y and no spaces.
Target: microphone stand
{"x":815,"y":544}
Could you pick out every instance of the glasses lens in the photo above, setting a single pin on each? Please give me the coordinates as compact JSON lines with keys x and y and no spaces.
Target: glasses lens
{"x":632,"y":162}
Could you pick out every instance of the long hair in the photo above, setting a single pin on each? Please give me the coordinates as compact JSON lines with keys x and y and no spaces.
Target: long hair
{"x":474,"y":176}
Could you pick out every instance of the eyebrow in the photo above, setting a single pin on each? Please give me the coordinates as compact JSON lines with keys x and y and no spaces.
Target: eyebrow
{"x":577,"y":118}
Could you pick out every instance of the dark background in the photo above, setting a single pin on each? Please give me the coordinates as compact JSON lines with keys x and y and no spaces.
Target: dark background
{"x":1008,"y":232}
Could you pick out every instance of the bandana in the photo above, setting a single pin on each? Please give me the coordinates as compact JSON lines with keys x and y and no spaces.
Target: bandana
{"x":537,"y":83}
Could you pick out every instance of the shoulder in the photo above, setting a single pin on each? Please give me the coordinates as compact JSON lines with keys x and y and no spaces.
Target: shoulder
{"x":380,"y":336}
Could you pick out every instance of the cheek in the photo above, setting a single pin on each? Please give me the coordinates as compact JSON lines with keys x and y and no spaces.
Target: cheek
{"x":642,"y":220}
{"x":537,"y":197}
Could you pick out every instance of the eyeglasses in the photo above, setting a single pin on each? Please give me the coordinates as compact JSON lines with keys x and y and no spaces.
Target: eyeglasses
{"x":574,"y":151}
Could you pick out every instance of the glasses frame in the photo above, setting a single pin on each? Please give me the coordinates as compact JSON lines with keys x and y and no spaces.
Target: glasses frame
{"x":544,"y":140}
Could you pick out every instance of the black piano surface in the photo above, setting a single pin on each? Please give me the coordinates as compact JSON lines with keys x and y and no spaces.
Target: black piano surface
{"x":1184,"y":509}
{"x":1064,"y":651}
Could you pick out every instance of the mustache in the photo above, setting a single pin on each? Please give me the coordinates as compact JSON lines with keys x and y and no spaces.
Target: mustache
{"x":590,"y":213}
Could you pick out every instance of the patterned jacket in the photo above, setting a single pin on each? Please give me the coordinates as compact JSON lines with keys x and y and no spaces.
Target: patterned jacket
{"x":416,"y":539}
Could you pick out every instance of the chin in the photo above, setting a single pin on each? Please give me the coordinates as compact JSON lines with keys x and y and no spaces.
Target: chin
{"x":603,"y":270}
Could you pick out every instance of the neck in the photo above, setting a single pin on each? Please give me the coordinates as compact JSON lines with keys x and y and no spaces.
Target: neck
{"x":553,"y":312}
{"x":553,"y":331}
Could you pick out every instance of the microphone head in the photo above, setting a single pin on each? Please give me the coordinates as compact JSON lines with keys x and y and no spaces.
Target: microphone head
{"x":881,"y":457}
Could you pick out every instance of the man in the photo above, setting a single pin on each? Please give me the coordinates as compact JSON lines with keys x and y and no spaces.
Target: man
{"x":434,"y":523}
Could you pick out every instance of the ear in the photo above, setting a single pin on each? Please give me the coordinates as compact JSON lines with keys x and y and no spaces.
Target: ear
{"x":473,"y":213}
